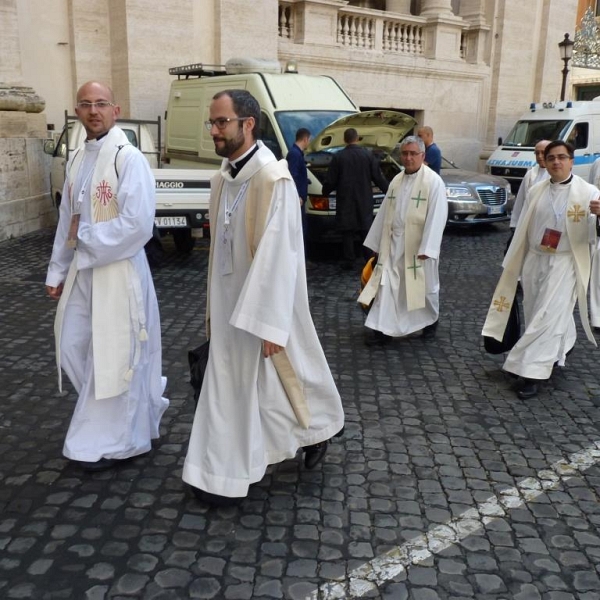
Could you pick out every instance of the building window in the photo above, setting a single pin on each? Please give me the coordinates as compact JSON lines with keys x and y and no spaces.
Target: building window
{"x":597,"y":8}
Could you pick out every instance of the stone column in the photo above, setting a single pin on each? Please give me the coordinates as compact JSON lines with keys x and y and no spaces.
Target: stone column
{"x":443,"y":30}
{"x":431,"y":8}
{"x":473,"y":11}
{"x":24,"y":200}
{"x":398,"y":6}
{"x":10,"y":50}
{"x":476,"y":44}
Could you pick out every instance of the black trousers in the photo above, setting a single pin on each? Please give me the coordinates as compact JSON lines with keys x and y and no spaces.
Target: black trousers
{"x":349,"y":238}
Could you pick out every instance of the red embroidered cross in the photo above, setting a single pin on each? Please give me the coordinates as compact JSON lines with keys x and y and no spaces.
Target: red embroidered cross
{"x":104,"y":192}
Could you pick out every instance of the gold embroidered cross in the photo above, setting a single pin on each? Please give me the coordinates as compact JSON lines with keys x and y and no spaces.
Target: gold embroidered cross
{"x":502,"y":304}
{"x":414,"y":267}
{"x":418,"y":199}
{"x":576,"y":213}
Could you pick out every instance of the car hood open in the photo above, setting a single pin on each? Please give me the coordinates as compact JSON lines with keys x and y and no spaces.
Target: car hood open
{"x":377,"y":129}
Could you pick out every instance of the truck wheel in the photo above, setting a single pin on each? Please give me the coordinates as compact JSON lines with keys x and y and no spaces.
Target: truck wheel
{"x":184,"y":242}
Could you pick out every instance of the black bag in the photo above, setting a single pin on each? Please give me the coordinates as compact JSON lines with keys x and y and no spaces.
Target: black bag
{"x":198,"y":359}
{"x":512,"y":333}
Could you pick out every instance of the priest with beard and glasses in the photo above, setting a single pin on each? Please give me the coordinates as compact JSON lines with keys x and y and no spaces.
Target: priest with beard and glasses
{"x":267,"y":390}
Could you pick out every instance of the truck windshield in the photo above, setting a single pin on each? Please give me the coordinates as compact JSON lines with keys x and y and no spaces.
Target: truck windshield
{"x":529,"y":133}
{"x":314,"y":120}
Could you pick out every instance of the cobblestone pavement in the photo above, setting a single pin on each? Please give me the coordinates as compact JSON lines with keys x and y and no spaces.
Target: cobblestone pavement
{"x":445,"y":485}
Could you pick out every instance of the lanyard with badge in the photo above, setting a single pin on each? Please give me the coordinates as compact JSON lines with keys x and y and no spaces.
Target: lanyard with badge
{"x":76,"y":211}
{"x":551,"y":237}
{"x":227,"y":237}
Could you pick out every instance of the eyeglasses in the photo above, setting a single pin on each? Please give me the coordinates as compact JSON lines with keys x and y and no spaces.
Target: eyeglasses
{"x":560,"y":157}
{"x":222,"y":122}
{"x":88,"y":105}
{"x":408,"y":153}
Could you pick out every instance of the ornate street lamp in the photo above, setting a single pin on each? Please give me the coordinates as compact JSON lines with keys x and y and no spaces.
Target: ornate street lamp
{"x":566,"y":53}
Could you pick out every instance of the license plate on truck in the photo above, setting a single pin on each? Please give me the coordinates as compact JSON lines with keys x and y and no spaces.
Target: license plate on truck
{"x":170,"y":221}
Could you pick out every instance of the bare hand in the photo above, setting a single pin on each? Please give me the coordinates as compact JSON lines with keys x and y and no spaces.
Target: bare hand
{"x":54,"y":292}
{"x":422,"y":256}
{"x":595,"y":206}
{"x":269,"y":348}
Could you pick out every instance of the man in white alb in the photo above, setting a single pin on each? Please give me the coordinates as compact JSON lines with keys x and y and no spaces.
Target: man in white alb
{"x":594,"y":179}
{"x":267,"y":391}
{"x":407,"y":235}
{"x":551,"y":252}
{"x":534,"y":175}
{"x":107,"y":325}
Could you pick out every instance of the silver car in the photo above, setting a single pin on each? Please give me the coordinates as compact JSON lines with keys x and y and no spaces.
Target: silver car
{"x":474,"y":197}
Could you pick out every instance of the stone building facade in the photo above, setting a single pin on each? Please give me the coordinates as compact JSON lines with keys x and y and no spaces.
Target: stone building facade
{"x":467,"y":68}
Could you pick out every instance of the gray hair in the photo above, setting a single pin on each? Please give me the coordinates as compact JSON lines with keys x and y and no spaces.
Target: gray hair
{"x":413,"y":139}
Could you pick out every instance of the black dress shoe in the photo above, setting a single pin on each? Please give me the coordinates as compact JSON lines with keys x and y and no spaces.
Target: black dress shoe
{"x":428,"y":332}
{"x":314,"y":454}
{"x":214,"y":499}
{"x":527,"y":388}
{"x":340,"y":433}
{"x":100,"y":465}
{"x":378,"y":339}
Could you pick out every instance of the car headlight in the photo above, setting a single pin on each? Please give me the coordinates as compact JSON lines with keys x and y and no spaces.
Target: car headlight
{"x":459,"y":194}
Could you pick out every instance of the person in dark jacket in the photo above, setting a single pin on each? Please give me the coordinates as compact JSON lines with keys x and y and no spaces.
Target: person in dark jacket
{"x":299,"y":173}
{"x":350,"y":174}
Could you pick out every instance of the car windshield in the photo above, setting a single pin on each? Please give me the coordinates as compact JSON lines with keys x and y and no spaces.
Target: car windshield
{"x":314,"y":120}
{"x":528,"y":133}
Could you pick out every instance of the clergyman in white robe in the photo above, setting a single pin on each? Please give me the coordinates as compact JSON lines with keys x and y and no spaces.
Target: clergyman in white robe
{"x":244,"y":419}
{"x":121,"y":426}
{"x":533,"y":176}
{"x":389,"y":312}
{"x":594,"y":179}
{"x":552,"y":281}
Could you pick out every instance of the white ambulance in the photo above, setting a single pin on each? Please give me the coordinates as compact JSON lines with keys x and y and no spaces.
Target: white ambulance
{"x":575,"y":122}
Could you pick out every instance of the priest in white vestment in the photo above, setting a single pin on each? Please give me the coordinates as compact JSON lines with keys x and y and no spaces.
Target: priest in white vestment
{"x":594,"y":179}
{"x":551,"y":251}
{"x":534,"y":175}
{"x":407,"y":236}
{"x":267,"y":391}
{"x":107,"y":326}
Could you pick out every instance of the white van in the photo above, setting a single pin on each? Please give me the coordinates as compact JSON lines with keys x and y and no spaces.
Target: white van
{"x":73,"y":135}
{"x":288,"y":101}
{"x":575,"y":122}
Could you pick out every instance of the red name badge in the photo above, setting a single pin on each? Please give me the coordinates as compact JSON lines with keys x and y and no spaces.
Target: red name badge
{"x":550,"y":240}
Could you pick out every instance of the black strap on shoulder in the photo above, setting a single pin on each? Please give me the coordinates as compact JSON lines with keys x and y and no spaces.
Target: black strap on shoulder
{"x":117,"y":155}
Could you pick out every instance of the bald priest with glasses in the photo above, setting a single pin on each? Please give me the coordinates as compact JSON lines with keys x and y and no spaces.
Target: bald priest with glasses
{"x":551,"y":251}
{"x":107,"y":325}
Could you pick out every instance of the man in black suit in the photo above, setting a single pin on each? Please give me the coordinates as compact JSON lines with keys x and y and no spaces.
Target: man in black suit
{"x":350,"y":174}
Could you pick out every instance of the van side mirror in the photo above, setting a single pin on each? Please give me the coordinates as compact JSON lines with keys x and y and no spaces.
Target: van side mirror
{"x":500,"y":140}
{"x":49,"y":147}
